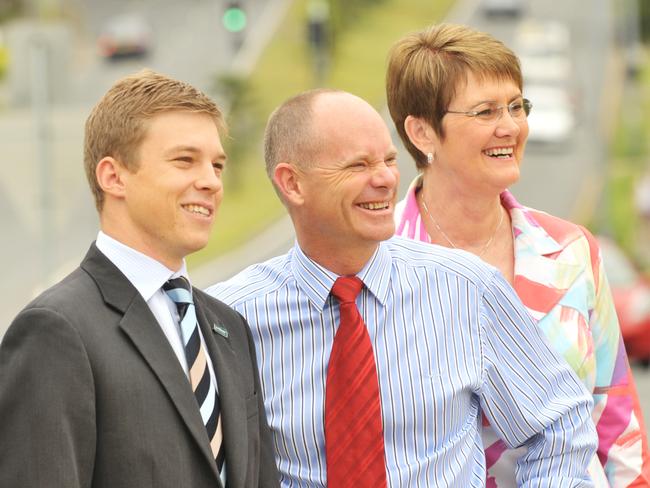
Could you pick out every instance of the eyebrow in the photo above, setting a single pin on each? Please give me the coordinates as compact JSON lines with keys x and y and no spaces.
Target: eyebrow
{"x":392,"y":153}
{"x":190,"y":149}
{"x":510,"y":100}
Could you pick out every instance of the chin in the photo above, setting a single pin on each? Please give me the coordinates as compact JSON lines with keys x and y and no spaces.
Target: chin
{"x":381,"y":235}
{"x":196,"y":244}
{"x":510,"y":177}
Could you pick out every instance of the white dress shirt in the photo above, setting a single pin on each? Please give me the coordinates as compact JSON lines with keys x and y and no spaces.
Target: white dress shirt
{"x":148,"y":276}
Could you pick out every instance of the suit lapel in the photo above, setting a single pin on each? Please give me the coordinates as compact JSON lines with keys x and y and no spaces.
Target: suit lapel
{"x":140,"y":325}
{"x":233,"y":405}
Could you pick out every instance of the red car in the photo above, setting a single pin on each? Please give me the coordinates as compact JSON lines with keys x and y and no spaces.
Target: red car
{"x":127,"y":35}
{"x":631,"y":292}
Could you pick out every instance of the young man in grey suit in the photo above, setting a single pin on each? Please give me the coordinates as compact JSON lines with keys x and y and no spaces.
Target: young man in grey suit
{"x":122,"y":375}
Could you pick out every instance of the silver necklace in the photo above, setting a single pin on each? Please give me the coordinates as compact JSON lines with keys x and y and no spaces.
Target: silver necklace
{"x":485,"y":247}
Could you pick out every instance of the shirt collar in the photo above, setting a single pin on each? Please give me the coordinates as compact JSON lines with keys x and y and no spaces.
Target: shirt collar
{"x":145,"y":273}
{"x":316,"y":281}
{"x":528,"y":233}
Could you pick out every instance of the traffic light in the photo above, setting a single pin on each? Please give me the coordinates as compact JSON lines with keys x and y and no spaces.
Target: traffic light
{"x":318,"y":25}
{"x":318,"y":37}
{"x":317,"y":33}
{"x":234,"y":17}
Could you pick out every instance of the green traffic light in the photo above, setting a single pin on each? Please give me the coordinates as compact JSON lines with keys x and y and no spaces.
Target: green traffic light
{"x":234,"y":19}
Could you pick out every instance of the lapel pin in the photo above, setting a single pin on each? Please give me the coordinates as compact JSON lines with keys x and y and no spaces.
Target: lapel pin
{"x":220,"y":330}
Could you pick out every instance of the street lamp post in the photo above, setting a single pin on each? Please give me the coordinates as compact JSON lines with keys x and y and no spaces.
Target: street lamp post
{"x":40,"y":100}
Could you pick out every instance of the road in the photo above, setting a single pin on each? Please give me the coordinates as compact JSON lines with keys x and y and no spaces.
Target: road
{"x":189,"y":42}
{"x":45,"y":204}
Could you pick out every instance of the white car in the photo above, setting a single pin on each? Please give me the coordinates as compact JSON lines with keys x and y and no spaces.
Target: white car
{"x":543,"y":48}
{"x":553,"y":69}
{"x":552,"y":118}
{"x":538,"y":37}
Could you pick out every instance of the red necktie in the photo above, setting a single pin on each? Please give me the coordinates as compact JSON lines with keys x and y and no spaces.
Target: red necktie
{"x":354,"y":437}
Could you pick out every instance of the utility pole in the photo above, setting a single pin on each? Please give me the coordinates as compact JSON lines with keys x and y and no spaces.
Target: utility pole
{"x":39,"y":87}
{"x":318,"y":36}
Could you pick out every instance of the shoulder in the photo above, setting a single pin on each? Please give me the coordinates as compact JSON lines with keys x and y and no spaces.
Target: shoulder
{"x":407,"y":254}
{"x":255,"y":281}
{"x":55,"y":315}
{"x":561,"y":230}
{"x":215,"y":306}
{"x":407,"y":213}
{"x":73,"y":293}
{"x":572,"y":238}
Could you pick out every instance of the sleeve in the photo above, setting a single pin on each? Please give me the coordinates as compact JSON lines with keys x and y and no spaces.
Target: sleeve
{"x":268,"y":475}
{"x":623,"y":443}
{"x":47,"y":408}
{"x":532,"y":397}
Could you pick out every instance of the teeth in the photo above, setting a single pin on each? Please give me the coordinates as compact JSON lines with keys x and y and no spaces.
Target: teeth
{"x":499,"y":151}
{"x":374,"y":205}
{"x":197,"y":209}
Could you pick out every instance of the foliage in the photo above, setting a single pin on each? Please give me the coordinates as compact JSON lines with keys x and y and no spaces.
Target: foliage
{"x":10,"y":8}
{"x":644,"y":16}
{"x":357,"y":64}
{"x":630,"y":159}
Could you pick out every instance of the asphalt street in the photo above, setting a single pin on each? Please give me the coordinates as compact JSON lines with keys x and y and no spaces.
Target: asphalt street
{"x":45,"y":204}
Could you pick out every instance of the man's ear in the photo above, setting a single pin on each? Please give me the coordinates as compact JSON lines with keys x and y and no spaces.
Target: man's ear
{"x":287,"y":180}
{"x":421,"y":134}
{"x":110,"y":177}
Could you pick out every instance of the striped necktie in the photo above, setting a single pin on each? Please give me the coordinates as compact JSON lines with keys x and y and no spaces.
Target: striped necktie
{"x":179,"y":290}
{"x":354,"y":436}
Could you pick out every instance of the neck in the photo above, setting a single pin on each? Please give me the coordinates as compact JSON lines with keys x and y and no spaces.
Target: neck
{"x":132,"y":239}
{"x":343,"y":262}
{"x":458,"y":221}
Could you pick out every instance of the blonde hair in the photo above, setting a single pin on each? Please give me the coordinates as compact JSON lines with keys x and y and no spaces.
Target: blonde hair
{"x":425,"y":68}
{"x":117,"y":125}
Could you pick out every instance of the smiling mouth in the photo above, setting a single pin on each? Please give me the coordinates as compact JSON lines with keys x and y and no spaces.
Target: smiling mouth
{"x":500,"y":152}
{"x":198,"y":209}
{"x":375,"y":205}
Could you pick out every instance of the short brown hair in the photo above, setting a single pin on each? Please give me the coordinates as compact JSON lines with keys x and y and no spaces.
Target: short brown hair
{"x":288,"y":136}
{"x":425,"y":68}
{"x":117,"y":125}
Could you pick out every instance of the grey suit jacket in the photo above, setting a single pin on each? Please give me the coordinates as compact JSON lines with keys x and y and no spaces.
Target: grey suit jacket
{"x":92,"y":395}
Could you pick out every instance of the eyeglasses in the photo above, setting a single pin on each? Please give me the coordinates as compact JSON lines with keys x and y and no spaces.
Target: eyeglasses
{"x":490,"y":114}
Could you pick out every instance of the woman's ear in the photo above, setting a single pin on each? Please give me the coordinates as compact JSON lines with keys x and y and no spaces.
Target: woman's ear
{"x":286,"y":179}
{"x":110,"y":177}
{"x":421,"y":134}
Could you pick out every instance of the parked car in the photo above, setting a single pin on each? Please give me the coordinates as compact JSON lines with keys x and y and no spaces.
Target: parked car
{"x":544,"y":50}
{"x":631,"y":292}
{"x":552,"y":119}
{"x":513,"y":8}
{"x":542,"y":37}
{"x":127,"y":35}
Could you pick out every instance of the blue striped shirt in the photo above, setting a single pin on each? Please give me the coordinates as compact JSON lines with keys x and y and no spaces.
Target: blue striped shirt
{"x":451,"y":341}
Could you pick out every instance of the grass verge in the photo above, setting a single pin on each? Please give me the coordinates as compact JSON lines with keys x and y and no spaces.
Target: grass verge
{"x":630,"y":159}
{"x":285,"y":69}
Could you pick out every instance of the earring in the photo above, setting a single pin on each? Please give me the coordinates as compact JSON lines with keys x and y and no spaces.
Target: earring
{"x":430,"y":158}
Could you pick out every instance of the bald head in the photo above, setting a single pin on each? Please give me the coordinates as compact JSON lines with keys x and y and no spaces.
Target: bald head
{"x":335,"y":168}
{"x":288,"y":136}
{"x":301,"y":129}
